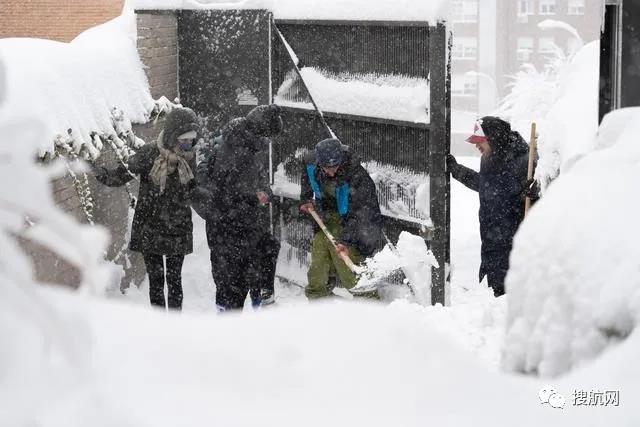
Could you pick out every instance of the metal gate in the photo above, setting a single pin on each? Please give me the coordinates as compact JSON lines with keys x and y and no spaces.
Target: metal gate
{"x":230,"y":61}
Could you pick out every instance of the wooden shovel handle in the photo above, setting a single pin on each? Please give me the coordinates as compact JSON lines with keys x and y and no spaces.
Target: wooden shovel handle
{"x":354,"y":268}
{"x":533,"y":146}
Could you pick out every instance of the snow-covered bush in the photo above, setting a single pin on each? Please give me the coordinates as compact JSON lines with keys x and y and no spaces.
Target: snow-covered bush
{"x":563,"y":100}
{"x":574,"y":281}
{"x":37,"y":339}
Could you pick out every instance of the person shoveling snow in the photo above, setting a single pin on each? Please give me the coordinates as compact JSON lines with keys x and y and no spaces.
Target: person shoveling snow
{"x":342,"y":193}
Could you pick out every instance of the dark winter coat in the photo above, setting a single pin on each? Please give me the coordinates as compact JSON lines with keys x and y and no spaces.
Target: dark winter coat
{"x":232,"y":172}
{"x":162,"y":221}
{"x":355,"y":200}
{"x":500,"y":184}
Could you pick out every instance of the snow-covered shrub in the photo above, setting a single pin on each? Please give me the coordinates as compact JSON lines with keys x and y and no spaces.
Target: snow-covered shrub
{"x":563,"y":100}
{"x":37,"y":339}
{"x":574,"y":281}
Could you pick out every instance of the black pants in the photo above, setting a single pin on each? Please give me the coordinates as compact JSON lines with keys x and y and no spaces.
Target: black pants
{"x":495,"y":265}
{"x":495,"y":279}
{"x":240,"y":265}
{"x":156,"y":272}
{"x":266,"y":254}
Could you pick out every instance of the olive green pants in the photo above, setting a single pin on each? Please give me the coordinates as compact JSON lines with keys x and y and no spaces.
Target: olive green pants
{"x":324,"y":259}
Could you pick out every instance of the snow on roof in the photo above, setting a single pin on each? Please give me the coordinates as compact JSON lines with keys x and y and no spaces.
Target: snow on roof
{"x":364,"y":10}
{"x":76,"y":85}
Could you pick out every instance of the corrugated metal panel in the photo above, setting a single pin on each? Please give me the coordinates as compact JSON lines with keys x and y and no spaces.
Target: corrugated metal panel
{"x":360,"y":49}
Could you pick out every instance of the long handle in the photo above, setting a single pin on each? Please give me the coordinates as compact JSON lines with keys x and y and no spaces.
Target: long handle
{"x":533,"y":145}
{"x":354,"y":268}
{"x":297,"y":69}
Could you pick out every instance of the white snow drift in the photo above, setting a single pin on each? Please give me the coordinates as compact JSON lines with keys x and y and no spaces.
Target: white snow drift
{"x":74,"y":86}
{"x":574,"y":282}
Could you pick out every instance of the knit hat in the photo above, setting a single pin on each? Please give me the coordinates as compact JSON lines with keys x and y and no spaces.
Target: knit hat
{"x":265,"y":120}
{"x":179,"y":121}
{"x":329,"y":152}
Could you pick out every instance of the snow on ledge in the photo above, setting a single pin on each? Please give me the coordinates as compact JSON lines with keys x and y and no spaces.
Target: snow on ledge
{"x":362,"y":10}
{"x":389,"y":97}
{"x":76,"y":86}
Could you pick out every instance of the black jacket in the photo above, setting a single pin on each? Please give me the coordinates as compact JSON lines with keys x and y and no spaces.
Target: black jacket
{"x":162,"y":222}
{"x":500,"y":184}
{"x":230,"y":175}
{"x":362,"y":222}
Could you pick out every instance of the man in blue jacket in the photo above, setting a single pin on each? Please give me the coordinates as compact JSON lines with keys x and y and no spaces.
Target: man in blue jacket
{"x":502,"y":187}
{"x":337,"y":186}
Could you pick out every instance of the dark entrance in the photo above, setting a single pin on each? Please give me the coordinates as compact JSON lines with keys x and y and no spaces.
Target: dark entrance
{"x":620,"y":56}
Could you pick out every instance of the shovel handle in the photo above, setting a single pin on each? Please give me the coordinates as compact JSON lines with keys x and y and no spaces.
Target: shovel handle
{"x":533,"y":146}
{"x":344,"y":257}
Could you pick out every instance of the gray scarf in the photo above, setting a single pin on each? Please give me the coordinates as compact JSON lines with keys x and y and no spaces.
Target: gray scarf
{"x":167,"y":163}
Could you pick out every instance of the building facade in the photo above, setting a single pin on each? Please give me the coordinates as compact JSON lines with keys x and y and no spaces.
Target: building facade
{"x":54,"y":19}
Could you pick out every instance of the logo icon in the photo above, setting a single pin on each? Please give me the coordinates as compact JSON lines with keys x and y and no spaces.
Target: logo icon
{"x":551,"y":396}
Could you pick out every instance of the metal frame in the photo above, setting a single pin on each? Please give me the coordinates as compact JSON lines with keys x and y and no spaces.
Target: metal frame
{"x":423,"y":53}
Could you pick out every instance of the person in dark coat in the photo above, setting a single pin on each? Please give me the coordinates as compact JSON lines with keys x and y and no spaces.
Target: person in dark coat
{"x":162,"y":226}
{"x":502,"y":187}
{"x":234,"y":195}
{"x":339,"y":188}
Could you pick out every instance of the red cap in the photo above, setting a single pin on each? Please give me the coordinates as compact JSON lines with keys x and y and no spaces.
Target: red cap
{"x":478,"y":134}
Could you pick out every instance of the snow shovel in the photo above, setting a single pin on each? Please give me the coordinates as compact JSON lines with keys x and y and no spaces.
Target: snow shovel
{"x":533,"y":146}
{"x":397,"y":277}
{"x":344,"y":257}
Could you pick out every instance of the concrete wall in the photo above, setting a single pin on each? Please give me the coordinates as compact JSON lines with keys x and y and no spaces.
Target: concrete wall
{"x":60,"y":20}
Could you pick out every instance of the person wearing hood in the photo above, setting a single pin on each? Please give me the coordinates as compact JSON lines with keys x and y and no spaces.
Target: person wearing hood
{"x":339,"y":188}
{"x":233,"y":180}
{"x":502,"y":186}
{"x":162,"y":228}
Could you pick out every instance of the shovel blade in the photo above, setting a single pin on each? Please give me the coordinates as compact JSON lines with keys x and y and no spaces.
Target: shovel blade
{"x":394,"y":279}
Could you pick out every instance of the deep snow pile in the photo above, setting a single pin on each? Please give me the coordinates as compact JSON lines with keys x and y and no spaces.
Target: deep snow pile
{"x":367,"y":10}
{"x":75,"y":86}
{"x":316,"y":365}
{"x":572,"y":121}
{"x":388,"y":97}
{"x":574,"y":282}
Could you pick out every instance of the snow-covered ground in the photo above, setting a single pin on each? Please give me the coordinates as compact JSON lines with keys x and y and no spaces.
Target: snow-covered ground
{"x":474,"y":321}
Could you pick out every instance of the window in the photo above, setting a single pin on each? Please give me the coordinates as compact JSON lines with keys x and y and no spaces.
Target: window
{"x":525,"y":8}
{"x":465,"y":11}
{"x":464,"y":85}
{"x":465,"y":48}
{"x":546,"y":45}
{"x":575,"y":7}
{"x":547,"y":7}
{"x":525,"y":48}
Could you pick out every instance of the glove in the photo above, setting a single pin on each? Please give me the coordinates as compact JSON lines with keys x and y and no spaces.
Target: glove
{"x":452,"y":163}
{"x":531,"y":190}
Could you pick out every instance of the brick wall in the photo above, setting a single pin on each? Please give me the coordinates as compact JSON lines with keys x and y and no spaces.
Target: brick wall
{"x":158,"y":50}
{"x":60,"y":20}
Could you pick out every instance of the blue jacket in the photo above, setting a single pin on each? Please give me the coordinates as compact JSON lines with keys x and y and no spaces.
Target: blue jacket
{"x":355,"y":200}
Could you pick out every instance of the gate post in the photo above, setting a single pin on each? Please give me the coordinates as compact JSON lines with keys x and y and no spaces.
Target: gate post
{"x":438,"y":150}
